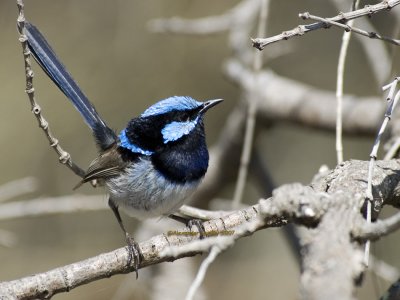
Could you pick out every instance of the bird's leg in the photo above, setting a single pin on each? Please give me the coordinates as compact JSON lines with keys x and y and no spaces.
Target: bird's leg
{"x":190,"y":222}
{"x":133,"y":247}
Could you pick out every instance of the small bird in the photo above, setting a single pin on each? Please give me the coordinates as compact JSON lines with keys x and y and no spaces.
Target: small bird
{"x":153,"y":165}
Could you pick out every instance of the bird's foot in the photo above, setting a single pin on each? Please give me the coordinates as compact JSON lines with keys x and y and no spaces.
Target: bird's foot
{"x":134,"y":253}
{"x":199,"y":225}
{"x":190,"y":222}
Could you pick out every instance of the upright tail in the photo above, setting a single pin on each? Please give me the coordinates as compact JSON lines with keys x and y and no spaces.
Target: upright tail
{"x":47,"y":59}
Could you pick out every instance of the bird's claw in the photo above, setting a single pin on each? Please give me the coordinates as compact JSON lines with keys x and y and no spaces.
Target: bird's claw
{"x":199,"y":225}
{"x":134,"y":253}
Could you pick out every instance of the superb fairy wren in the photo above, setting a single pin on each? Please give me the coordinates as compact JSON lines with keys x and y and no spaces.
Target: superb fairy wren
{"x":153,"y":165}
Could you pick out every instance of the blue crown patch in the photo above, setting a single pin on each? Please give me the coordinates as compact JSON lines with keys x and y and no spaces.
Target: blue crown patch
{"x":171,"y":104}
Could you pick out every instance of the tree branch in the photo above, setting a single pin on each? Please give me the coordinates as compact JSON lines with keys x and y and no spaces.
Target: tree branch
{"x":283,"y":99}
{"x":375,"y":231}
{"x":342,"y":190}
{"x":350,"y":28}
{"x":368,"y":10}
{"x":62,"y":279}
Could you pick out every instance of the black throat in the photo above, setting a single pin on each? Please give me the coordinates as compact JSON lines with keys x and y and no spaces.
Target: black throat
{"x":185,"y":160}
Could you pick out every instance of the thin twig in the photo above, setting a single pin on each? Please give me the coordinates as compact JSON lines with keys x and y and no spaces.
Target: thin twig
{"x":368,"y":10}
{"x":380,"y":67}
{"x":348,"y":27}
{"x":339,"y":93}
{"x":392,"y":87}
{"x":246,"y":154}
{"x":251,"y":115}
{"x":202,"y":272}
{"x":64,"y":157}
{"x":392,"y":102}
{"x":339,"y":87}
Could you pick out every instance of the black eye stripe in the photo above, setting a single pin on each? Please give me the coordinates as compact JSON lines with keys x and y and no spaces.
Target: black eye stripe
{"x":145,"y":132}
{"x":179,"y":115}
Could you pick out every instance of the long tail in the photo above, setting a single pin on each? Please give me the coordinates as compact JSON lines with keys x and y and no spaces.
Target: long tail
{"x":47,"y":59}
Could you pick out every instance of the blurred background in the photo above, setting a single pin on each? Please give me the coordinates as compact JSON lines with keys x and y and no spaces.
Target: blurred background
{"x":123,"y":68}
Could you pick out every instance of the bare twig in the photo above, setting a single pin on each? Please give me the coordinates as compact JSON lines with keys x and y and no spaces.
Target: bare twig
{"x":395,"y":146}
{"x":251,"y":115}
{"x":246,"y":153}
{"x":64,"y":157}
{"x":392,"y":102}
{"x":202,"y":272}
{"x":349,"y":28}
{"x":339,"y":92}
{"x":368,"y":10}
{"x":339,"y":88}
{"x":380,"y":67}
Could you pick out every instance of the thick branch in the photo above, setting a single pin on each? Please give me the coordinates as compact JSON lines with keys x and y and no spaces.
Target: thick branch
{"x":283,"y":99}
{"x":332,"y":261}
{"x":339,"y":191}
{"x":65,"y":278}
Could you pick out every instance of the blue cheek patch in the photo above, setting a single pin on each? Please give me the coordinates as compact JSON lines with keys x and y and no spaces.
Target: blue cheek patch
{"x":125,"y":143}
{"x":175,"y":130}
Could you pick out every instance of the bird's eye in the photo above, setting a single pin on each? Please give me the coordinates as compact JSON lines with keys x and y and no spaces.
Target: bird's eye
{"x":185,"y":117}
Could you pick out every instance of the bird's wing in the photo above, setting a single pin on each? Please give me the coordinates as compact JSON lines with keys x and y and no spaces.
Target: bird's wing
{"x":107,"y":165}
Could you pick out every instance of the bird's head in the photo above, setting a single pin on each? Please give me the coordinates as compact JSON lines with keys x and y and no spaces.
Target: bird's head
{"x":164,"y":123}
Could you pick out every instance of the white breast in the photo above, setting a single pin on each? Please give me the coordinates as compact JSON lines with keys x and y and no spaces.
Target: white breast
{"x":142,"y":192}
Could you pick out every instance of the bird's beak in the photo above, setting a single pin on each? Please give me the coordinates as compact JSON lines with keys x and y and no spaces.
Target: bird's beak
{"x":209,"y":104}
